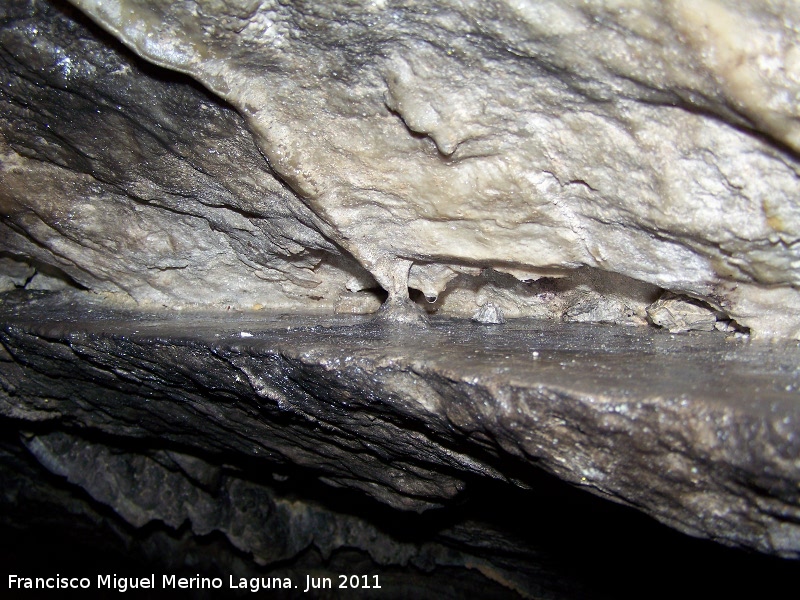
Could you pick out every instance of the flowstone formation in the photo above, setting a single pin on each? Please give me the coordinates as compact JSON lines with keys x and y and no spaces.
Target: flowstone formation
{"x":577,"y":224}
{"x":657,"y":140}
{"x":467,"y":150}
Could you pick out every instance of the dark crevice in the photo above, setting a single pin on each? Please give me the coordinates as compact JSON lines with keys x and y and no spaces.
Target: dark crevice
{"x":553,"y":534}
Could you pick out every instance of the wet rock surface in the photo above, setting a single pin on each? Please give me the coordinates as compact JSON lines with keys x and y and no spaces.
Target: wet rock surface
{"x":539,"y":167}
{"x":549,"y":542}
{"x":577,"y":551}
{"x":50,"y":525}
{"x":695,"y":430}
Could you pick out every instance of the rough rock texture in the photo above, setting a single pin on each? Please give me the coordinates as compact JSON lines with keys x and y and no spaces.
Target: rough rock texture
{"x":697,"y":432}
{"x":549,"y":543}
{"x":420,"y":142}
{"x":286,"y":534}
{"x":128,"y":181}
{"x":678,"y":315}
{"x":653,"y":139}
{"x":625,"y":162}
{"x":177,"y":489}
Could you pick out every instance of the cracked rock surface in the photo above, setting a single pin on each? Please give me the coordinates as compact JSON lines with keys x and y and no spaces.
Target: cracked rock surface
{"x":237,"y":519}
{"x":545,"y":543}
{"x":135,"y":183}
{"x":650,"y":139}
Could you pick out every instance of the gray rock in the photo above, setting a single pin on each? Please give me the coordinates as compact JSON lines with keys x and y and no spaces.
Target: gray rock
{"x":284,"y":533}
{"x":413,"y":144}
{"x":136,"y":183}
{"x":14,"y":273}
{"x":490,"y":314}
{"x":43,"y":282}
{"x":551,"y":159}
{"x":698,"y":431}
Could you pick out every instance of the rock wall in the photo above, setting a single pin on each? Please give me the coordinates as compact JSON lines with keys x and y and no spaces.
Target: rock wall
{"x":643,"y":145}
{"x":701,"y":435}
{"x":133,"y":182}
{"x":618,"y":162}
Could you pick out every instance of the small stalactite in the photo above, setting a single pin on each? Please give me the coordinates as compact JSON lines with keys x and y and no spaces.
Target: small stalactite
{"x":398,"y":308}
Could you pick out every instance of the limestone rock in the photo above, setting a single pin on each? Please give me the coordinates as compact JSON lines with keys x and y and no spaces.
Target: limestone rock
{"x":538,"y":158}
{"x":699,"y":434}
{"x":489,"y":314}
{"x":136,"y":183}
{"x":263,"y":521}
{"x":14,"y":273}
{"x":413,"y":143}
{"x":681,"y":314}
{"x":653,"y":139}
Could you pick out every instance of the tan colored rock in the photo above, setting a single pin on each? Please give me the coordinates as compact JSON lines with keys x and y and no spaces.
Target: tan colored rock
{"x":652,"y":139}
{"x":413,"y":144}
{"x":680,"y":314}
{"x":135,"y":183}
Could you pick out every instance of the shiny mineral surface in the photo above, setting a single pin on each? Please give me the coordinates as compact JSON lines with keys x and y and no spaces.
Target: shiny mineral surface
{"x":697,"y":430}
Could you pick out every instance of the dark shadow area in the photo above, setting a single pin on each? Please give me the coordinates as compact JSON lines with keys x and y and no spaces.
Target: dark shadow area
{"x":563,"y":542}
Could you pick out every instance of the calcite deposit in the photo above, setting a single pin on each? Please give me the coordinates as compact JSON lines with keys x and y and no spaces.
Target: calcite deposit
{"x":198,"y":199}
{"x":417,"y":145}
{"x":656,"y":140}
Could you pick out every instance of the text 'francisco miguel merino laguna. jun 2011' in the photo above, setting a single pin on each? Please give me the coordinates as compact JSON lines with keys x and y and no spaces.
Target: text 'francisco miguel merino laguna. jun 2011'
{"x":173,"y":582}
